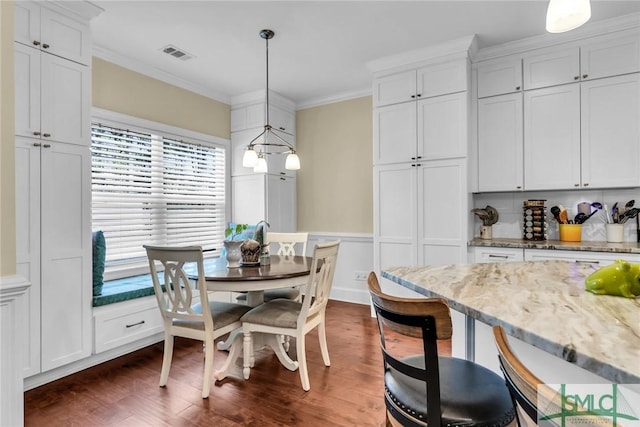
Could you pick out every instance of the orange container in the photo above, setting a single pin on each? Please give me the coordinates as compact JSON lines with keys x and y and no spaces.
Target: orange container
{"x":570,"y":232}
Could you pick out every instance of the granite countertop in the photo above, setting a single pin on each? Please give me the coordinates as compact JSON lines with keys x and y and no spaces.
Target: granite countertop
{"x":543,"y":303}
{"x":626,"y":247}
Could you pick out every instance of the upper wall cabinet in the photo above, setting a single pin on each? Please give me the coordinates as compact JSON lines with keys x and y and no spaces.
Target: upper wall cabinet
{"x":254,"y":115}
{"x":425,"y":82}
{"x":596,"y":58}
{"x":498,"y":77}
{"x":52,"y":32}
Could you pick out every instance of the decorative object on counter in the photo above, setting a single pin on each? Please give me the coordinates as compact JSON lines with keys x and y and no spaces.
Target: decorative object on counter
{"x":534,"y":219}
{"x":489,"y":216}
{"x":619,"y":279}
{"x":616,"y":218}
{"x":234,"y":254}
{"x":251,"y":251}
{"x":570,"y":232}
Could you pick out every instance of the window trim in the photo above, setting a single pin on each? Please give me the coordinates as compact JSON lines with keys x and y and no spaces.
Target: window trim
{"x":124,"y":121}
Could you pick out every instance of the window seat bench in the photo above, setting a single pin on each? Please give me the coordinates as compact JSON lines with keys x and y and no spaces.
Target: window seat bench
{"x":124,"y":289}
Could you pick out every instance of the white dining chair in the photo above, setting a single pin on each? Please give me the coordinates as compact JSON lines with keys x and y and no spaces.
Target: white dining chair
{"x":286,"y":245}
{"x":185,"y":306}
{"x":294,"y":318}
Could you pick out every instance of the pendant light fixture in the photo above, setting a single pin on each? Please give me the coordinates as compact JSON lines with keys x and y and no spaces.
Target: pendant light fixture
{"x":566,"y":15}
{"x":268,"y":142}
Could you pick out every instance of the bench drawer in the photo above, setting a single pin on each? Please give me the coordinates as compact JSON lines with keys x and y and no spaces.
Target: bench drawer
{"x":129,"y":322}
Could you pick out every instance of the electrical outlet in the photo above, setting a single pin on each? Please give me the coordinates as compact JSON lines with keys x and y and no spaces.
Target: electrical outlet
{"x":360,"y":275}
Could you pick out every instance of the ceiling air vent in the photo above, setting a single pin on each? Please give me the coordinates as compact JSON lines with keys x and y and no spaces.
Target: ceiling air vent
{"x":176,"y":52}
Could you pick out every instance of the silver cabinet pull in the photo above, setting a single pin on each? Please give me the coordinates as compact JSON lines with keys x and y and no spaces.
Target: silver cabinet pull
{"x":499,"y":256}
{"x":46,"y":135}
{"x":47,"y":145}
{"x":36,"y":144}
{"x":36,"y":43}
{"x":46,"y":46}
{"x":36,"y":133}
{"x":584,"y":261}
{"x":134,"y":324}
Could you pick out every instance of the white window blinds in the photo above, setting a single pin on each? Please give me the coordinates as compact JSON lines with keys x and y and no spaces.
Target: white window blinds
{"x":151,"y":189}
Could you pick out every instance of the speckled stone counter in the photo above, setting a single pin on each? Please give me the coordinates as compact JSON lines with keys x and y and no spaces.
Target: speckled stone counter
{"x":544,"y":304}
{"x":627,"y":247}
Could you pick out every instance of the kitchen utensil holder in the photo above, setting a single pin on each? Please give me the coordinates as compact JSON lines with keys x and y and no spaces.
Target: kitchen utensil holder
{"x":570,"y":232}
{"x":534,"y":220}
{"x":615,"y":233}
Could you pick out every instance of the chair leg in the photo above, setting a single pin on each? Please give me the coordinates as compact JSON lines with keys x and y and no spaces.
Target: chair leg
{"x":322,"y":335}
{"x":247,"y":354}
{"x":302,"y":362}
{"x":209,"y":352}
{"x":166,"y":359}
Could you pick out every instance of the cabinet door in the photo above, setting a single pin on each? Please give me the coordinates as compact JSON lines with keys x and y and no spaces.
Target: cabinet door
{"x":442,"y":212}
{"x":442,"y":126}
{"x":248,"y":117}
{"x":28,"y":246}
{"x":394,"y":88}
{"x":26,"y":23}
{"x":248,"y":198}
{"x":394,"y":133}
{"x":498,"y":77}
{"x":282,"y":120}
{"x":281,"y":203}
{"x":498,"y":255}
{"x":66,"y":254}
{"x":65,"y":101}
{"x":552,"y":138}
{"x":500,"y":161}
{"x":65,"y":37}
{"x":239,"y":142}
{"x":27,"y":91}
{"x":610,"y":57}
{"x":551,"y":67}
{"x":442,"y":79}
{"x":395,"y":221}
{"x":611,"y":132}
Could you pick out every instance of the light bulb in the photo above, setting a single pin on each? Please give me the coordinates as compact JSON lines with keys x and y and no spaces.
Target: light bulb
{"x":261,"y":165}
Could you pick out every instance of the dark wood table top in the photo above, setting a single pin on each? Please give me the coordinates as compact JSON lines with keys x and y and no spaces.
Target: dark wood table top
{"x":281,"y":267}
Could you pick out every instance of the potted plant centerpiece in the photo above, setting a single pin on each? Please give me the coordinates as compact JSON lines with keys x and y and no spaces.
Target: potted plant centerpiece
{"x":232,"y":244}
{"x":244,"y":244}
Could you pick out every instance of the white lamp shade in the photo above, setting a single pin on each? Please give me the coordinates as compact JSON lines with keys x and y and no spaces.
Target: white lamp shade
{"x":261,"y":165}
{"x":565,"y":15}
{"x":250,"y":158}
{"x":292,"y":162}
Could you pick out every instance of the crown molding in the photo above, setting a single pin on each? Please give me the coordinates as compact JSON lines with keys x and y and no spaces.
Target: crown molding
{"x":83,"y":9}
{"x":345,"y":96}
{"x":617,"y":24}
{"x":169,"y":78}
{"x":450,"y":50}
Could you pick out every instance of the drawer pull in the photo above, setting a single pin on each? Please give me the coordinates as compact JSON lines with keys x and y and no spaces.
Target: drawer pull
{"x":581,"y":261}
{"x":135,"y":324}
{"x":499,"y":256}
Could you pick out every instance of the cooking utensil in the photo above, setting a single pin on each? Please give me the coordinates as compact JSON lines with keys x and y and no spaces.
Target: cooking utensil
{"x":555,"y":211}
{"x":608,"y":214}
{"x":580,"y":218}
{"x":626,"y":215}
{"x":630,"y":204}
{"x":614,"y":212}
{"x":564,"y":217}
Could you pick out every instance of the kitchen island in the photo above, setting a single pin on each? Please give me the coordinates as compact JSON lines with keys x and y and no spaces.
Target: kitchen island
{"x":544,"y":304}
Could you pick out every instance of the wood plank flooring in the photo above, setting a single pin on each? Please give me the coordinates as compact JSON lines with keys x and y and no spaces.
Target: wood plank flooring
{"x":124,"y":392}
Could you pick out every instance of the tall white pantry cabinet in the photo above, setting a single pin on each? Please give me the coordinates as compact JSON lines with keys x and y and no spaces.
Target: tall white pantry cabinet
{"x":420,"y":137}
{"x":53,"y":179}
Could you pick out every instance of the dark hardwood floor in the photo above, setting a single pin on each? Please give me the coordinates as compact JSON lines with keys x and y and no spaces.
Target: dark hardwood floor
{"x":125,"y":392}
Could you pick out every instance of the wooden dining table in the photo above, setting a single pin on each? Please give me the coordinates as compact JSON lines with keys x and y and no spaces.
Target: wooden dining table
{"x":281,"y":272}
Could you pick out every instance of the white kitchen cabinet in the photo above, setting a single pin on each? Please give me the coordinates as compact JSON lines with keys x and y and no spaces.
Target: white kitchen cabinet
{"x":499,"y":76}
{"x":610,"y":55}
{"x":55,"y":192}
{"x":550,"y":67}
{"x":47,"y":30}
{"x":491,"y":254}
{"x":265,"y":197}
{"x":552,"y":138}
{"x":424,"y":82}
{"x":419,"y":215}
{"x":610,"y":121}
{"x":500,"y":143}
{"x":53,"y":97}
{"x":429,"y":129}
{"x":597,"y":259}
{"x":249,"y":111}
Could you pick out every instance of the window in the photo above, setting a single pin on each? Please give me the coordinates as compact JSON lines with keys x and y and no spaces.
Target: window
{"x":150,"y":187}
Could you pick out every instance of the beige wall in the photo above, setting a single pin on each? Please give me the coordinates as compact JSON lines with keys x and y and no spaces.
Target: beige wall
{"x":7,"y":144}
{"x":335,"y":183}
{"x":118,"y":89}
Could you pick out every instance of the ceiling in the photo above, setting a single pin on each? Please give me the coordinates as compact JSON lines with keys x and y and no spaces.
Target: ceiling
{"x":321,"y":48}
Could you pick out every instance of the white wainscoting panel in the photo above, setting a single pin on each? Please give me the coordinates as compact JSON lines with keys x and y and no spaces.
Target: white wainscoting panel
{"x":355,"y":261}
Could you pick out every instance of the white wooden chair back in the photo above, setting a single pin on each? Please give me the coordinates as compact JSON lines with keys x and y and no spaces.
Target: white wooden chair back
{"x":320,"y":281}
{"x":287,"y":243}
{"x":175,"y":292}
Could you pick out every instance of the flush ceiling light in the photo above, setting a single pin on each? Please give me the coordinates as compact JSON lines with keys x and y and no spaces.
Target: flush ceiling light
{"x":268,"y":142}
{"x":565,"y":15}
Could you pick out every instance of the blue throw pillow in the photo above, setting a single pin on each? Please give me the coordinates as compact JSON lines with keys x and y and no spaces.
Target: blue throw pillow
{"x":99,"y":255}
